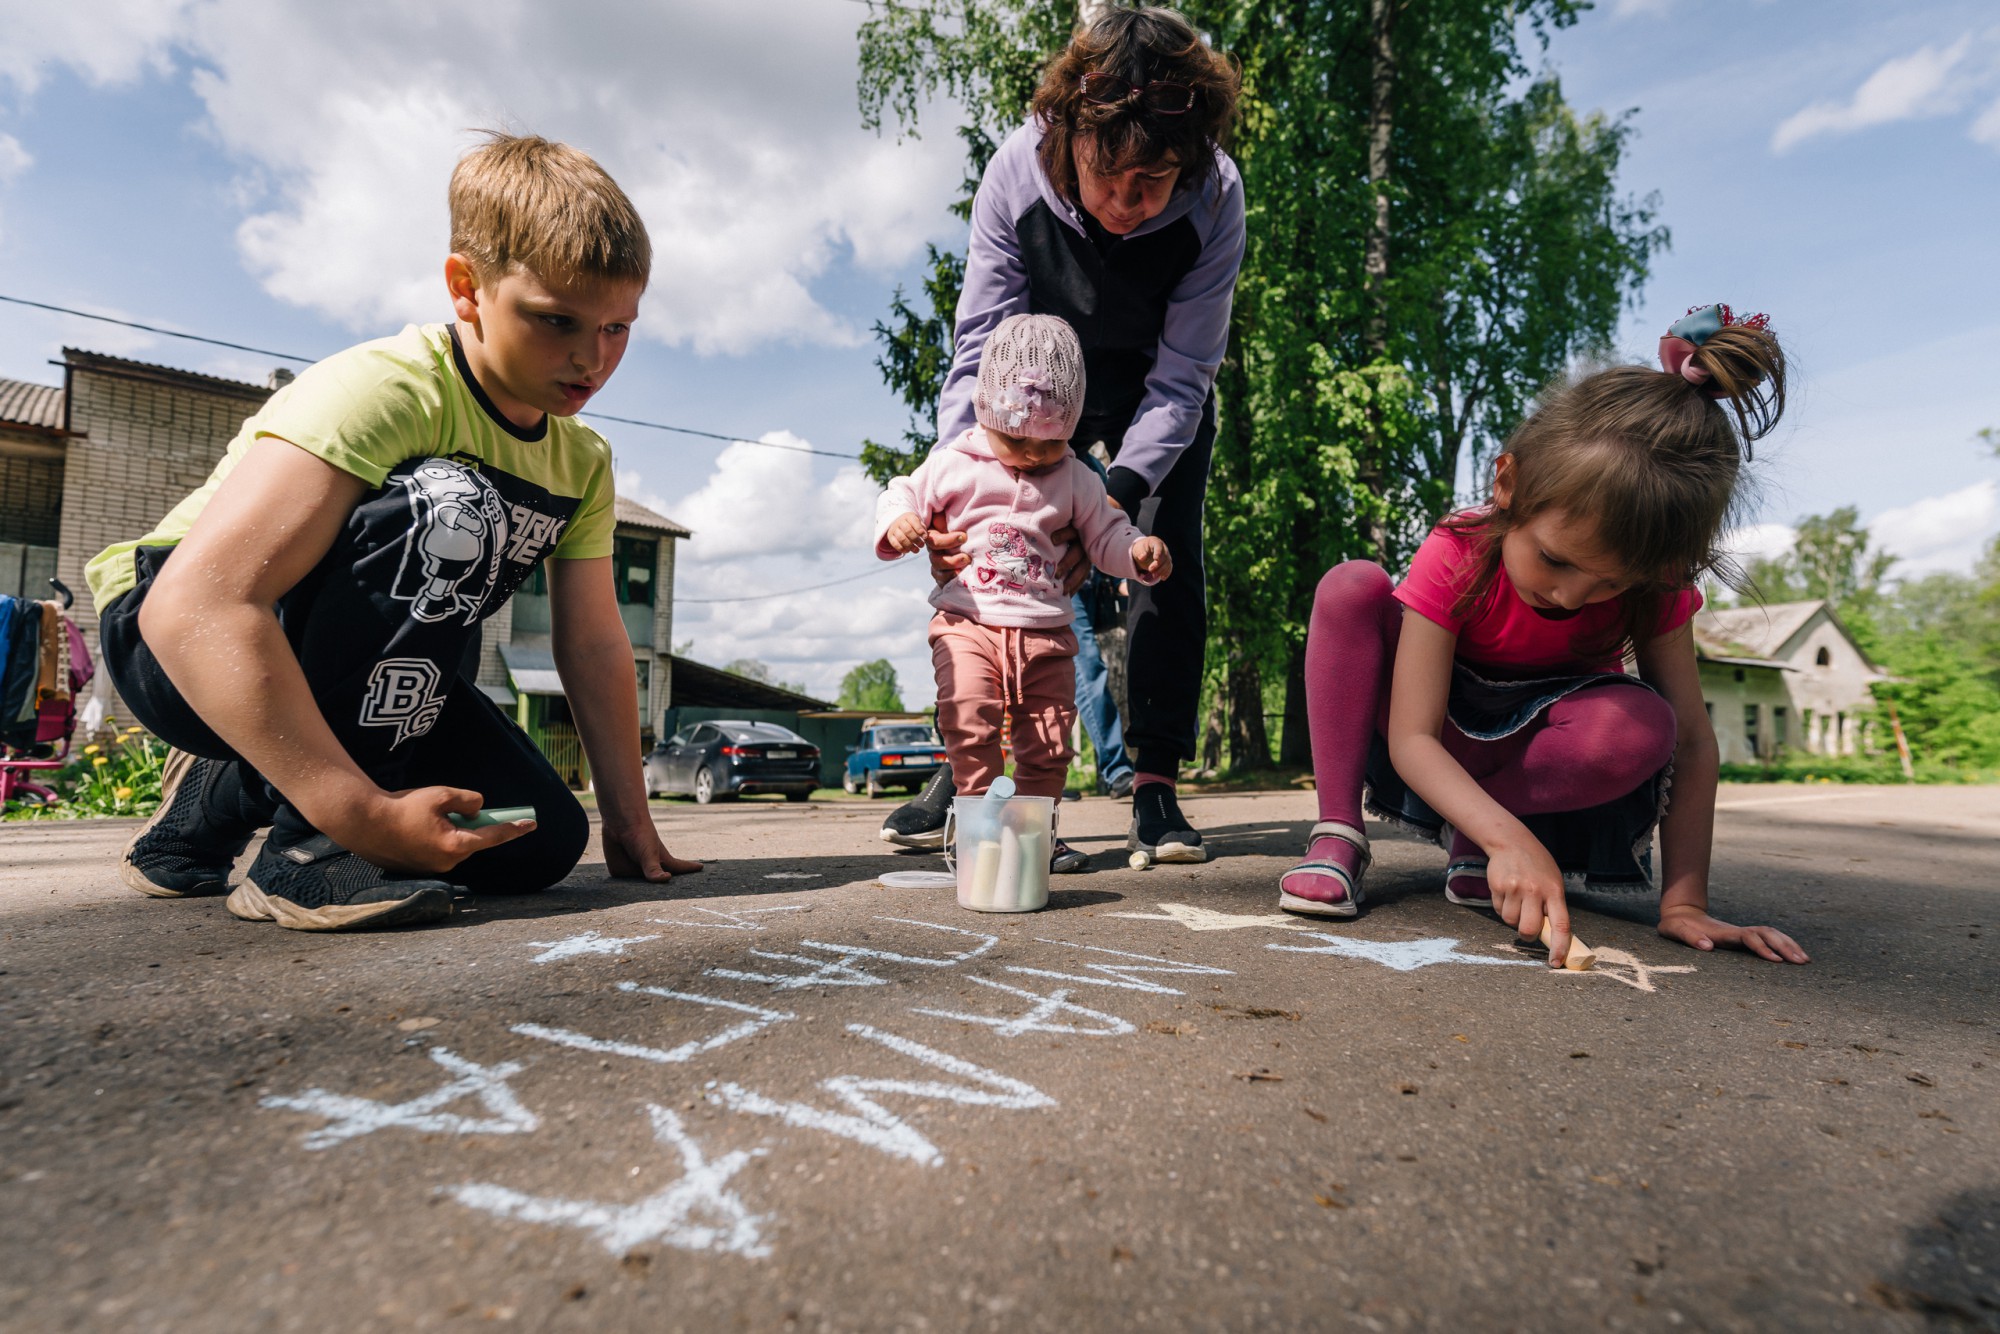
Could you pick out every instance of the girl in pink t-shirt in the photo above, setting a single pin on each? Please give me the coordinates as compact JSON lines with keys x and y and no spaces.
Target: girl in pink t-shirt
{"x":1001,"y":640}
{"x":1483,"y":700}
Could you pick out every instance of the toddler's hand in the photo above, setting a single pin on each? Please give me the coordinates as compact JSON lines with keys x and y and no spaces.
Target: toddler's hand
{"x":906,"y":534}
{"x":1150,"y":554}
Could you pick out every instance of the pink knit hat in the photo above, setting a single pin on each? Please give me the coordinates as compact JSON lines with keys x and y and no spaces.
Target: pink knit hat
{"x":1031,"y":378}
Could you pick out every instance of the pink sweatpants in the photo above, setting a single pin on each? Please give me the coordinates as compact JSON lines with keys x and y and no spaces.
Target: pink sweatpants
{"x":985,"y":672}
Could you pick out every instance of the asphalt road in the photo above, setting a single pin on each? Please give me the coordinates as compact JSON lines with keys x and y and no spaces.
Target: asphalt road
{"x":778,"y":1095}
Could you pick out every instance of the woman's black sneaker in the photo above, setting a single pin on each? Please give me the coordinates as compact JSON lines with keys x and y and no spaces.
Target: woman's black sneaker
{"x":185,"y":851}
{"x":317,"y":885}
{"x":920,"y":823}
{"x":1159,"y":828}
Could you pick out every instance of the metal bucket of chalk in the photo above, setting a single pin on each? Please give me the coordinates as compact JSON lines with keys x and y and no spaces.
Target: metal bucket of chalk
{"x":1000,"y":851}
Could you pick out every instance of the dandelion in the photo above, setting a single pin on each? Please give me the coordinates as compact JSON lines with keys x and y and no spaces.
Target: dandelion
{"x":100,"y":761}
{"x":134,"y":731}
{"x":122,"y":793}
{"x":91,"y":750}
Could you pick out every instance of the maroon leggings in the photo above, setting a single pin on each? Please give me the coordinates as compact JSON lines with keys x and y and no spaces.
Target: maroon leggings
{"x":1586,"y":749}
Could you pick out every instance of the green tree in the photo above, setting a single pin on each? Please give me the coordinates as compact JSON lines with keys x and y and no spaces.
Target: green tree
{"x":1831,"y":560}
{"x":1433,"y":235}
{"x":757,"y":670}
{"x":872,"y":686}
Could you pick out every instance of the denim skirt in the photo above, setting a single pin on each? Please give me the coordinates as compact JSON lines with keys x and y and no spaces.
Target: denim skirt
{"x":1609,"y":846}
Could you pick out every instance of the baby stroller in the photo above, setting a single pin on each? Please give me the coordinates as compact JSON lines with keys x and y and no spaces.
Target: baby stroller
{"x":44,"y":666}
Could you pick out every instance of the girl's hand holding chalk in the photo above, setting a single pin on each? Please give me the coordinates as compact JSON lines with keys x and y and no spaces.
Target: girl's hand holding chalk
{"x":487,"y":818}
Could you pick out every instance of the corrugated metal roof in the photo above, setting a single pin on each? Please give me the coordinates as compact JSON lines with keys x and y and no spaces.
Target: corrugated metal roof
{"x":638,"y":516}
{"x":1763,"y":630}
{"x":39,"y":405}
{"x":533,"y":670}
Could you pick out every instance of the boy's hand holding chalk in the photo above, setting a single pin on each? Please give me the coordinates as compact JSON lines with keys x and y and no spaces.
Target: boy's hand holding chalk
{"x":490,"y":816}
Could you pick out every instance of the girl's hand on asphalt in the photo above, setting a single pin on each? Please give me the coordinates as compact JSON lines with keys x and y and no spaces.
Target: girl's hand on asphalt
{"x":407,"y":831}
{"x":638,"y":854}
{"x":1527,"y":889}
{"x":1150,"y":554}
{"x":906,"y":534}
{"x":1693,"y":926}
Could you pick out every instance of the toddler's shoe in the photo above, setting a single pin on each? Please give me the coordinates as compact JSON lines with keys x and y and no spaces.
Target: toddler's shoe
{"x":1066,"y":860}
{"x":919,"y":823}
{"x":1322,"y":886}
{"x":317,"y":885}
{"x":1159,"y":828}
{"x":185,"y":850}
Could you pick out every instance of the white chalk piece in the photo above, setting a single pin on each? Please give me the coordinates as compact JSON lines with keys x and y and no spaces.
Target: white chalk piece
{"x":1140,"y":861}
{"x":917,"y":880}
{"x":977,"y":893}
{"x":1580,"y":959}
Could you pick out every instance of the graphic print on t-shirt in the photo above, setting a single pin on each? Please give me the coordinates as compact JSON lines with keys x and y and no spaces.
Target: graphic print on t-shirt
{"x":1009,"y":564}
{"x":474,"y":534}
{"x":458,"y":528}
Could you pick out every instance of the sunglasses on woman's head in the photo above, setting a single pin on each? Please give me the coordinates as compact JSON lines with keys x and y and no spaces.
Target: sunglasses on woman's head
{"x":1159,"y":97}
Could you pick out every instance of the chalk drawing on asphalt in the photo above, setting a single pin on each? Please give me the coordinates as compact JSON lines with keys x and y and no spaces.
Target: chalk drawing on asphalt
{"x":868,"y":1121}
{"x":1404,"y":956}
{"x":1628,"y":970}
{"x":793,"y":875}
{"x":839,"y":972}
{"x":729,"y":921}
{"x":1125,"y":975}
{"x":699,"y":1212}
{"x":986,"y":942}
{"x":1040,"y":1017}
{"x":590,"y":942}
{"x":349,"y":1117}
{"x":759,"y":1020}
{"x":1207,"y":919}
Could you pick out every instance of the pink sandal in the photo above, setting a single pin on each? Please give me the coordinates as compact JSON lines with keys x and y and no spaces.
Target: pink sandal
{"x":1300,"y":889}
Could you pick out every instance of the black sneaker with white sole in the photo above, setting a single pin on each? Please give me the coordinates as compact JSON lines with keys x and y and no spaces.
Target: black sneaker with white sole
{"x":919,"y":823}
{"x":317,"y":885}
{"x":1066,"y":860}
{"x":1160,"y":830}
{"x":186,"y":850}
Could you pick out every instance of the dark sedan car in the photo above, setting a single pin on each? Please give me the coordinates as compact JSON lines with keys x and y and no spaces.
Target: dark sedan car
{"x":720,"y":760}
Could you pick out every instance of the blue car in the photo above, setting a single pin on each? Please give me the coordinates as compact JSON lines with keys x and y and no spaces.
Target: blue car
{"x":893,"y":755}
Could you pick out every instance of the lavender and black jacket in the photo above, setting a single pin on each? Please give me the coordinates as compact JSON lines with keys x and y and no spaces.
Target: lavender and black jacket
{"x":1151,"y":309}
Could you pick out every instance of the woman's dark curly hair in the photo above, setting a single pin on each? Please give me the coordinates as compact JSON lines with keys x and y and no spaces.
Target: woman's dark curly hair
{"x":1139,"y":44}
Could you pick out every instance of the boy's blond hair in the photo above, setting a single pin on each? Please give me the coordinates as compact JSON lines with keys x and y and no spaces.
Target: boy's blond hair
{"x":520,"y":199}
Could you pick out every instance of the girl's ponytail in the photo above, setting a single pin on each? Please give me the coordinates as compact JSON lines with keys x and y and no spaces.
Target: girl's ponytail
{"x":1737,"y":361}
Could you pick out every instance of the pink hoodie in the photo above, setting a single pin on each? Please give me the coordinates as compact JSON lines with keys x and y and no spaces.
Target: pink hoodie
{"x":1008,"y":517}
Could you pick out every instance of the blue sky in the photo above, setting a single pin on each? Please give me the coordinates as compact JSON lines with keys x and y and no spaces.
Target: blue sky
{"x":271,"y":172}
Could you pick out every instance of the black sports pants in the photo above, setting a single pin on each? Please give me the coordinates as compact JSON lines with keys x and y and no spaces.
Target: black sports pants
{"x":381,"y":632}
{"x":1167,"y":627}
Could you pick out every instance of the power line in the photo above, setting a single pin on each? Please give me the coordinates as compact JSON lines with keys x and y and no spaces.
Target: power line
{"x":288,"y":356}
{"x":152,"y":328}
{"x":794,"y":592}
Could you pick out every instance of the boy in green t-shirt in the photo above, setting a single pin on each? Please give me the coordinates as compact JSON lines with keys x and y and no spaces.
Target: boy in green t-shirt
{"x":296,"y":629}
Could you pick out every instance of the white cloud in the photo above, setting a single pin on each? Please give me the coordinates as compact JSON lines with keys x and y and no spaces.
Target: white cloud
{"x":733,"y":127}
{"x":1760,"y":541}
{"x":1628,"y":8}
{"x":765,"y":502}
{"x":14,"y":159}
{"x":1986,"y":130}
{"x":775,"y":521}
{"x":1938,"y":533}
{"x":1904,"y":88}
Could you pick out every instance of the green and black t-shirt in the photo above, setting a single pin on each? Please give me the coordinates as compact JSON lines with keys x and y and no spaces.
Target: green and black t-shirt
{"x":508,"y":498}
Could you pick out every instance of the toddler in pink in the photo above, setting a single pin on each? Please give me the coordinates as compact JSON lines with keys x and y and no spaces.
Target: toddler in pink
{"x":1001,"y":641}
